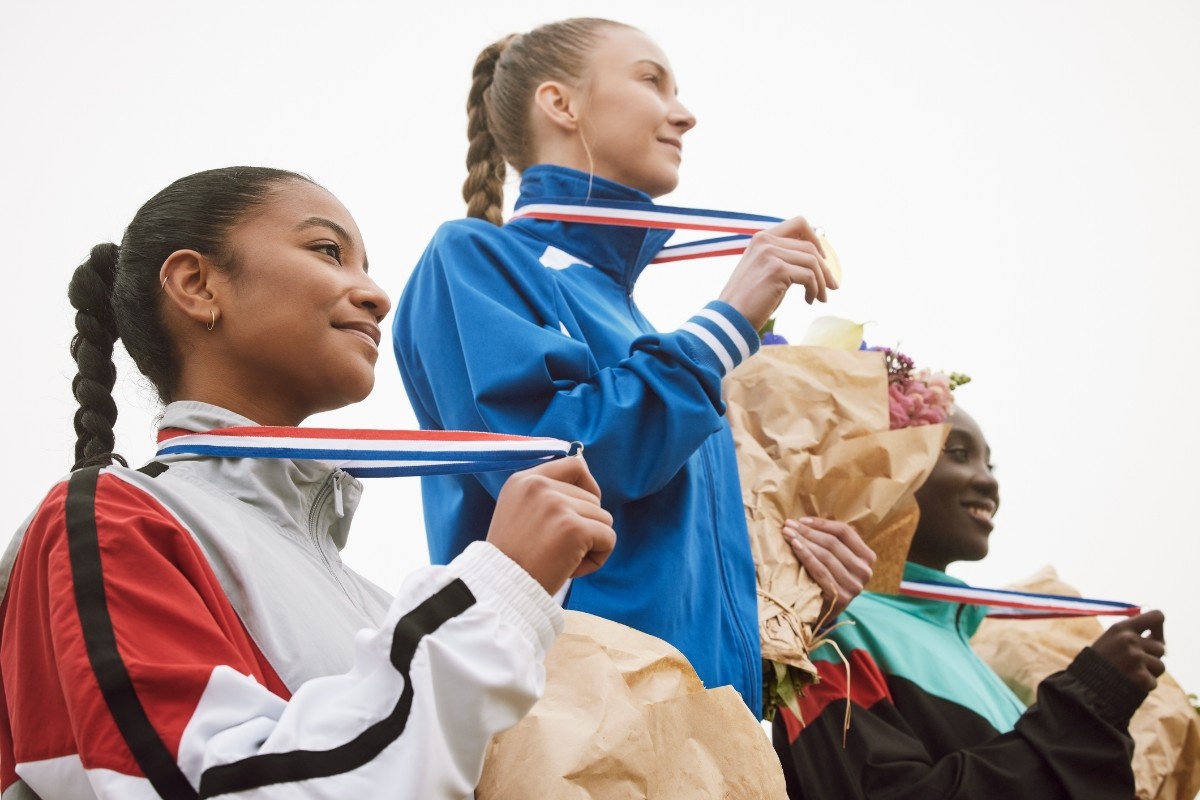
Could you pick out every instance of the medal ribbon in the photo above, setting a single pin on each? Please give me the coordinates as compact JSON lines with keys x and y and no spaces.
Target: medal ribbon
{"x":373,"y":453}
{"x":1007,"y":604}
{"x":648,"y":215}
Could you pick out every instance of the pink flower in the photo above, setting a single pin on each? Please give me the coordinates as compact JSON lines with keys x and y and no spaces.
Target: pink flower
{"x":923,"y":399}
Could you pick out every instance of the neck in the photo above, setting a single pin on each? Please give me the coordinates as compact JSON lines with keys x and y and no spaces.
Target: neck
{"x":258,"y":407}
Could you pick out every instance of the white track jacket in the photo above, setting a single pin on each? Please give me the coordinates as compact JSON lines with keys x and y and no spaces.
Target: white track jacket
{"x":188,"y":630}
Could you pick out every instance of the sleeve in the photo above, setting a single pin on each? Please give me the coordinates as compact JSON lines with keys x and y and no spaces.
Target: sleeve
{"x":484,"y":343}
{"x":160,"y":684}
{"x":1072,"y":743}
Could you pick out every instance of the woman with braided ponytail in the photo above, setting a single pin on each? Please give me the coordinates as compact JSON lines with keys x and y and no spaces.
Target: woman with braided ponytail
{"x":187,"y":629}
{"x":531,"y":328}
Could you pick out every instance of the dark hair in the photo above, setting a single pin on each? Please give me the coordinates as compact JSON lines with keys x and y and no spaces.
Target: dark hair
{"x":505,"y":76}
{"x":116,"y":291}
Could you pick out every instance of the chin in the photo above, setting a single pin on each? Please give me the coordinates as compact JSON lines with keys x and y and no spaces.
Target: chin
{"x":353,"y":391}
{"x":665,"y":186}
{"x":655,"y":185}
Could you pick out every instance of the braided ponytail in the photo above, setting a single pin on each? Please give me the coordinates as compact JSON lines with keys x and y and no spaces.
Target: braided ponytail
{"x":503,"y":82}
{"x":484,"y":187}
{"x":90,"y":293}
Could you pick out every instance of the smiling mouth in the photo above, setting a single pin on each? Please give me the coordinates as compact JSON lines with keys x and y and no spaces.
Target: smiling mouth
{"x":364,"y":335}
{"x":979,"y":511}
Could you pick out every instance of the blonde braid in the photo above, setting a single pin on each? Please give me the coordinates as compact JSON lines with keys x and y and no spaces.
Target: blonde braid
{"x":484,"y":187}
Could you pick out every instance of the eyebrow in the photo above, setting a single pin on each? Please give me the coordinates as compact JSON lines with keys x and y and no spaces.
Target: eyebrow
{"x":321,"y":222}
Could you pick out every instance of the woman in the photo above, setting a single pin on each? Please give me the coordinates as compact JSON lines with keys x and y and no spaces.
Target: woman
{"x":188,"y":628}
{"x":531,"y":328}
{"x":929,"y":718}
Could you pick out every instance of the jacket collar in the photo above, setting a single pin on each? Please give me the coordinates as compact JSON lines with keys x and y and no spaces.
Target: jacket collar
{"x":965,"y":617}
{"x":620,"y":251}
{"x":295,"y":494}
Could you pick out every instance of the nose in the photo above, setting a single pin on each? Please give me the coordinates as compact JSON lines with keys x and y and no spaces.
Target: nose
{"x":983,"y":480}
{"x":369,"y":295}
{"x":681,"y":118}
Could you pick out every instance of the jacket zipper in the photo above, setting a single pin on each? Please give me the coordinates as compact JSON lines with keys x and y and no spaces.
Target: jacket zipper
{"x":747,"y":650}
{"x":332,"y":485}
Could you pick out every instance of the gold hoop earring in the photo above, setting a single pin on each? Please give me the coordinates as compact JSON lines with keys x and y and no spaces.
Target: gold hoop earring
{"x":213,"y":323}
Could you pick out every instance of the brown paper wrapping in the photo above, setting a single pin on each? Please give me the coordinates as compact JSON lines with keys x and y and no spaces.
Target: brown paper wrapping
{"x":811,"y":429}
{"x":1165,"y":730}
{"x":624,"y":715}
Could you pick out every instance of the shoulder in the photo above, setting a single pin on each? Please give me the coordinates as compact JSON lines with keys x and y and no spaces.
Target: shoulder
{"x":104,"y":507}
{"x":89,"y":497}
{"x":473,"y":233}
{"x":478,"y":256}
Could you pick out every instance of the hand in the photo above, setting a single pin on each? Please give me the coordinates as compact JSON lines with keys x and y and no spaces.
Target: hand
{"x":1135,"y":646}
{"x":835,"y":556}
{"x":548,"y":519}
{"x":789,"y":253}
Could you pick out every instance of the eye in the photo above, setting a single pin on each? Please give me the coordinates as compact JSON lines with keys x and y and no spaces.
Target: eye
{"x":331,"y":249}
{"x":960,"y":455}
{"x":653,"y":77}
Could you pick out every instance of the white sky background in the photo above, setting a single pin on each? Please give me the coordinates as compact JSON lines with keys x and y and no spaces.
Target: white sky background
{"x":1012,"y":189}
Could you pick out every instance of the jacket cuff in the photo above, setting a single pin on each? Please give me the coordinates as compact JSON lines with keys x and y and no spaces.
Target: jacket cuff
{"x":1115,"y":695}
{"x":503,"y":586}
{"x":720,"y":337}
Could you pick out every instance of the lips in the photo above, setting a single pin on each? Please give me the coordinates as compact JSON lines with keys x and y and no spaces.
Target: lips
{"x":980,"y":510}
{"x":364,"y":330}
{"x":676,"y":143}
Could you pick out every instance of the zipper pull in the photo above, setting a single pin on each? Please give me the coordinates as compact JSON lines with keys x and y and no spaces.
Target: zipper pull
{"x":338,"y":507}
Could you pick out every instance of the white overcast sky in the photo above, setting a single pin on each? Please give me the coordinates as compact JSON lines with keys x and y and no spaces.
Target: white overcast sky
{"x":1012,"y":187}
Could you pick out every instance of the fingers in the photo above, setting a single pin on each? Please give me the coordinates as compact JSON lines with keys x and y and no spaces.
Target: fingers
{"x":797,"y":229}
{"x":840,"y":549}
{"x":1136,"y":646}
{"x":549,"y":520}
{"x":569,"y":470}
{"x":845,"y":534}
{"x":1148,"y":622}
{"x":834,"y":556}
{"x":603,"y":539}
{"x":776,"y":259}
{"x":799,"y":261}
{"x":1154,"y":624}
{"x":811,"y":563}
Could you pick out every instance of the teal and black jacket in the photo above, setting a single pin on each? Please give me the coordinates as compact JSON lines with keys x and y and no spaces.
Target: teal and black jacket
{"x":930,"y":720}
{"x":531,"y":328}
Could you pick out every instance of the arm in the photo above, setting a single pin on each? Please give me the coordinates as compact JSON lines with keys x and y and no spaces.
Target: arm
{"x":457,"y":659}
{"x":481,"y":346}
{"x":1072,"y":743}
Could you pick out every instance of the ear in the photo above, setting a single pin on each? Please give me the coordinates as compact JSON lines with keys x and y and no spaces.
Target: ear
{"x":560,"y":104}
{"x":192,"y":286}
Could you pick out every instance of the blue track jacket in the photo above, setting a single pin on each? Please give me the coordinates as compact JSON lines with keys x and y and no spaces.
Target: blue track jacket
{"x":531,"y":328}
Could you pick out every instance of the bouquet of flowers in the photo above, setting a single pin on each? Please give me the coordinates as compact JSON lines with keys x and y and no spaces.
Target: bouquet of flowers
{"x":917,"y":397}
{"x":828,"y":429}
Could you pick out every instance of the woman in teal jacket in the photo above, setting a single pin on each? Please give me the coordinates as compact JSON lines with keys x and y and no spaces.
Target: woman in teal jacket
{"x":531,"y":328}
{"x":929,"y":718}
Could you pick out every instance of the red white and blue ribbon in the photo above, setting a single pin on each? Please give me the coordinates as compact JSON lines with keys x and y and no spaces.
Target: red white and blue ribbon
{"x":648,"y":215}
{"x":1005,"y":604}
{"x":373,"y":453}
